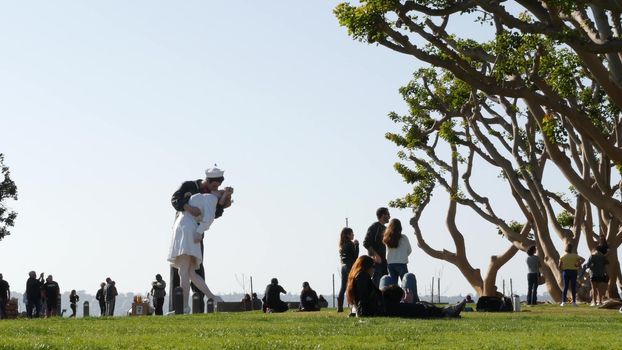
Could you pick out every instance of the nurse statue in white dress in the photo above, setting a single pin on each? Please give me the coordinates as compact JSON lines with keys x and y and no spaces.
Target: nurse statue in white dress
{"x":185,"y":251}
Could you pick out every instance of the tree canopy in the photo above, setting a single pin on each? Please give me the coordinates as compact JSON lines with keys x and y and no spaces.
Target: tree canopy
{"x":8,"y":190}
{"x":540,"y":84}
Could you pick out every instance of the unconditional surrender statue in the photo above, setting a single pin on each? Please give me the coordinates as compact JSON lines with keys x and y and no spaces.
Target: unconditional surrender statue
{"x":198,"y":203}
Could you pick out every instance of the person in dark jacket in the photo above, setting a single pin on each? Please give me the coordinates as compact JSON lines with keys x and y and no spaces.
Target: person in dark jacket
{"x":158,"y":292}
{"x":110,"y":296}
{"x":272,"y":298}
{"x":374,"y":245}
{"x":348,"y":252}
{"x":101,"y":298}
{"x":5,"y":296}
{"x":369,"y":301}
{"x":308,"y":298}
{"x":179,"y":200}
{"x":52,"y":292}
{"x":73,"y":302}
{"x":597,"y":263}
{"x":33,"y":294}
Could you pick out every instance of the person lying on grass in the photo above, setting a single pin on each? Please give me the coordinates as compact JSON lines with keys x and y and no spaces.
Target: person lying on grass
{"x":369,"y":301}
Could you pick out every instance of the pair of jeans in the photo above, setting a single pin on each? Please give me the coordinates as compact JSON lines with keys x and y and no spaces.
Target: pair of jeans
{"x":158,"y":303}
{"x":379,"y":271}
{"x":3,"y":308}
{"x":398,"y":270}
{"x":532,"y":288}
{"x":345,"y":271}
{"x":33,"y":304}
{"x":409,"y":281}
{"x":570,"y":279}
{"x":110,"y":307}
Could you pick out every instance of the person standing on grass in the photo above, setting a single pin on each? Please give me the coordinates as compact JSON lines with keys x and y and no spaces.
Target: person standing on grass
{"x":533,"y":273}
{"x":398,"y":249}
{"x":33,"y":294}
{"x":52,"y":292}
{"x":374,"y":245}
{"x":73,"y":301}
{"x":5,"y":296}
{"x":158,"y":292}
{"x":110,"y":296}
{"x":569,"y":263}
{"x":597,"y":263}
{"x":348,"y":252}
{"x":100,"y":297}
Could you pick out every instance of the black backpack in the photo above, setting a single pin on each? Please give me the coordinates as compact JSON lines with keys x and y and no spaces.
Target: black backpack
{"x":494,"y":304}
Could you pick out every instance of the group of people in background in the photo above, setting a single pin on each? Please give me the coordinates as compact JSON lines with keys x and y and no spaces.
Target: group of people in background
{"x":572,"y":267}
{"x":42,"y":297}
{"x":371,"y":282}
{"x":309,"y":299}
{"x":107,"y":296}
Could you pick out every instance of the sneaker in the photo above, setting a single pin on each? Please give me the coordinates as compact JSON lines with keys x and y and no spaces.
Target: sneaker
{"x":574,"y":304}
{"x":562,"y":304}
{"x":454,"y":310}
{"x":593,"y":304}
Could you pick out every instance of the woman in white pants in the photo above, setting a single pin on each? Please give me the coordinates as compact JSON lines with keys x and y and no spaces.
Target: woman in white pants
{"x":185,"y":251}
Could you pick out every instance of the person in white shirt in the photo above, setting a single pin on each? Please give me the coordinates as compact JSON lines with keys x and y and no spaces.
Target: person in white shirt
{"x":398,"y":249}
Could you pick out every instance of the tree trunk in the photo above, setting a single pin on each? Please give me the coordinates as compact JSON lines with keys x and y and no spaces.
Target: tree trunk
{"x":613,"y":269}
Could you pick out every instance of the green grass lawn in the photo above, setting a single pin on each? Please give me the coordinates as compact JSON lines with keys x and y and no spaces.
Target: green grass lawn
{"x":543,"y":327}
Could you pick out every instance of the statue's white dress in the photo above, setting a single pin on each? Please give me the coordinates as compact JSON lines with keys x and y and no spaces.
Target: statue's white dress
{"x":187,"y":227}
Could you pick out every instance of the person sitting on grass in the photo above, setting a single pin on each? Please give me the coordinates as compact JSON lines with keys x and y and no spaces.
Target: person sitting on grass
{"x":272,"y":298}
{"x":308,"y":298}
{"x":368,"y":300}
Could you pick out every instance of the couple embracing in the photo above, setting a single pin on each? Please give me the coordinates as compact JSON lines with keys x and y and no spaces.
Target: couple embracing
{"x":197,"y":203}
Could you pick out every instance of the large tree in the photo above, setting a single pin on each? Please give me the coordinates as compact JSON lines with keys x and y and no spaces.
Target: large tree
{"x":8,"y":190}
{"x":557,"y":63}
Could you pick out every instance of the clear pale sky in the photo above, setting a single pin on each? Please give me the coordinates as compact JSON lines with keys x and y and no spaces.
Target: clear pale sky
{"x":106,"y":107}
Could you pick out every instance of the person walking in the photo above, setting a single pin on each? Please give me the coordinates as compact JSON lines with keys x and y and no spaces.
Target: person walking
{"x":5,"y":296}
{"x":533,"y":274}
{"x":101,"y":298}
{"x":110,"y":296}
{"x":374,"y":245}
{"x":569,"y":263}
{"x":52,"y":293}
{"x":158,"y":292}
{"x":73,"y":301}
{"x":348,"y":252}
{"x":398,"y":249}
{"x":33,"y":294}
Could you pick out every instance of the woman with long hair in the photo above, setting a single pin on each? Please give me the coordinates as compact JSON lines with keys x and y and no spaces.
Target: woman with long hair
{"x":392,"y":301}
{"x":398,"y":249}
{"x":348,"y":252}
{"x":361,"y":291}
